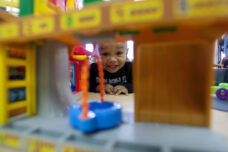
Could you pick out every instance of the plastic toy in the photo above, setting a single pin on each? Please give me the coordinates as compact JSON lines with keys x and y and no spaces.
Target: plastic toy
{"x":45,"y":7}
{"x":72,"y":4}
{"x":180,"y":33}
{"x":76,"y":60}
{"x":38,"y":7}
{"x":3,"y":5}
{"x":18,"y":85}
{"x":221,"y":91}
{"x":95,"y":115}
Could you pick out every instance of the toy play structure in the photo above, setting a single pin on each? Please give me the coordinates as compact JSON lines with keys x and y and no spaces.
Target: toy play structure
{"x":173,"y":41}
{"x":18,"y":90}
{"x":95,"y":115}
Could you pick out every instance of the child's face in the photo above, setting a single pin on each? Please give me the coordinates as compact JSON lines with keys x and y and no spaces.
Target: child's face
{"x":113,"y":56}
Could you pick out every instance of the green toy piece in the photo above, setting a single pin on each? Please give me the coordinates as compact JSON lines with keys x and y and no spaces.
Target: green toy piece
{"x":85,"y":2}
{"x":221,"y":85}
{"x":214,"y":89}
{"x":26,"y":8}
{"x":224,"y":85}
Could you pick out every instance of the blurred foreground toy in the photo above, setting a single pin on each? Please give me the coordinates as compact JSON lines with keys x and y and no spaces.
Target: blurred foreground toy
{"x":76,"y":60}
{"x":95,"y":115}
{"x":221,"y":91}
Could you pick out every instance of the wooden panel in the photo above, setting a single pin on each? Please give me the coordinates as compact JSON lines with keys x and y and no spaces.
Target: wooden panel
{"x":172,"y":82}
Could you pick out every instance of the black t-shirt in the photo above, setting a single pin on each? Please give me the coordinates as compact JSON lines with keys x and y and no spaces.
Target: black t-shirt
{"x":121,"y":77}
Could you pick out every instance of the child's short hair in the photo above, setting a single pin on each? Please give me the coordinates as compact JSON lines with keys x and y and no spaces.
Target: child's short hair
{"x":101,"y":44}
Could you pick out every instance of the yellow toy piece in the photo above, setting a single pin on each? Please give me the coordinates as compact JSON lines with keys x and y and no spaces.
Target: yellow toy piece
{"x":41,"y":7}
{"x":3,"y":89}
{"x":2,"y":3}
{"x":70,"y":5}
{"x":79,"y":57}
{"x":8,"y":109}
{"x":12,"y":3}
{"x":9,"y":3}
{"x":10,"y":139}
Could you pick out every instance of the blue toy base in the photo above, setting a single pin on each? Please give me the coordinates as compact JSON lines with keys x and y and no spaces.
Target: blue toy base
{"x":100,"y":116}
{"x":220,"y":104}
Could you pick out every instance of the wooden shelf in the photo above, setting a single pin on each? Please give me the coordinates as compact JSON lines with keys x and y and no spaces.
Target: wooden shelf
{"x":124,"y":16}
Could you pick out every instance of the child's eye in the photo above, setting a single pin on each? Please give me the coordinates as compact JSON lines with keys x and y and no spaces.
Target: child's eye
{"x":104,"y":54}
{"x":119,"y":53}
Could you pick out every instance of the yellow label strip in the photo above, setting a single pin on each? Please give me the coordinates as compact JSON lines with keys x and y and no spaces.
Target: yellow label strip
{"x":140,"y":11}
{"x":9,"y":31}
{"x":81,"y":19}
{"x":9,"y":140}
{"x":200,"y":8}
{"x":38,"y":26}
{"x":74,"y":149}
{"x":34,"y":145}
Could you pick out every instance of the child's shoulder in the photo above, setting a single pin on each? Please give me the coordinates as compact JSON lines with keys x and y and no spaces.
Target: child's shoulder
{"x":128,"y":64}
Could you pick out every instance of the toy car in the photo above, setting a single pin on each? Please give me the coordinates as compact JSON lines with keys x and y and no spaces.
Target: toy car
{"x":221,"y":91}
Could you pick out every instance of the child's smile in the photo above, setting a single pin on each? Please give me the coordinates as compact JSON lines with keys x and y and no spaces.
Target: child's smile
{"x":112,"y":68}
